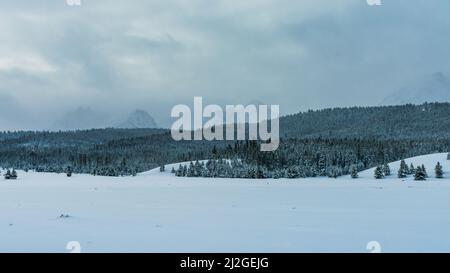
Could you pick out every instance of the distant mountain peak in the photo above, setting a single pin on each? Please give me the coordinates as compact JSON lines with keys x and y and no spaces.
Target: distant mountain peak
{"x":431,"y":88}
{"x":138,"y":119}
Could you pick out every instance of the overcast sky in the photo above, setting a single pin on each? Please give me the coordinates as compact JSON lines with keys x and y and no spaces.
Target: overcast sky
{"x":115,"y":56}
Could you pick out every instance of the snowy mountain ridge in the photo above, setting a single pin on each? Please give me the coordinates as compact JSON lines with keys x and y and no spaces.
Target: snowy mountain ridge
{"x":138,"y":119}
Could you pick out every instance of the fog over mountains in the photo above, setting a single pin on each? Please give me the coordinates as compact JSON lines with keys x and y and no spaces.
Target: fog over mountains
{"x":430,"y":88}
{"x":433,"y":87}
{"x":88,"y":118}
{"x":137,"y":120}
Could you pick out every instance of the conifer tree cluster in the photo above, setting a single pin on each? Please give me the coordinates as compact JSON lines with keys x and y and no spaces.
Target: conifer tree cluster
{"x":419,"y":173}
{"x":221,"y":168}
{"x":10,"y":175}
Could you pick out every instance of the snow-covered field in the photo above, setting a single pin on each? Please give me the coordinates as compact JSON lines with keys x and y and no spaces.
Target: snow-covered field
{"x":157,"y":212}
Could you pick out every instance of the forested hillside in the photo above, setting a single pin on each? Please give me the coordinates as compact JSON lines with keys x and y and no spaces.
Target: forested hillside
{"x":327,"y":142}
{"x":388,"y":122}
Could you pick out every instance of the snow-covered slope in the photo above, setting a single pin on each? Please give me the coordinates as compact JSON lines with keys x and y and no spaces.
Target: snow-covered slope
{"x":156,"y":212}
{"x":429,"y":161}
{"x":168,"y":168}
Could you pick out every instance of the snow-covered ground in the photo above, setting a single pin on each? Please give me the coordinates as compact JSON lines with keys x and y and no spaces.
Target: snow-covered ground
{"x":429,"y":161}
{"x":157,"y":212}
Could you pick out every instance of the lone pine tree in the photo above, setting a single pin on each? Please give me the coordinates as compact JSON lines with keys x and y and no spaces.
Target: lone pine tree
{"x":7,"y":175}
{"x":402,"y":171}
{"x":438,"y":171}
{"x":69,"y":171}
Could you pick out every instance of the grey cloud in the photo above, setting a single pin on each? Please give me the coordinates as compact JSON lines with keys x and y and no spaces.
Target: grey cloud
{"x":117,"y":56}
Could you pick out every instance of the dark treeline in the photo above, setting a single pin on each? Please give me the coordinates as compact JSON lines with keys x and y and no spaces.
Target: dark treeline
{"x":296,"y":158}
{"x":108,"y":154}
{"x":329,"y":142}
{"x":383,"y":122}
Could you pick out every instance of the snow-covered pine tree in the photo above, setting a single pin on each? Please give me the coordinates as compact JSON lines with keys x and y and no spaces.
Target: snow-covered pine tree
{"x":173,"y":170}
{"x":412,"y":170}
{"x":205,"y":172}
{"x":259,"y":173}
{"x":386,"y":169}
{"x":8,"y":175}
{"x":190,"y":170}
{"x":279,"y":174}
{"x":335,"y":172}
{"x":211,"y":166}
{"x":227,"y":171}
{"x":179,"y":171}
{"x":251,"y":172}
{"x":14,"y":174}
{"x":123,"y":168}
{"x":354,"y":171}
{"x":424,"y":171}
{"x":69,"y":171}
{"x":378,"y":172}
{"x":219,"y":168}
{"x":407,"y":171}
{"x":198,"y":168}
{"x":402,"y":171}
{"x":321,"y":166}
{"x":292,"y":172}
{"x":439,"y":173}
{"x":419,"y":174}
